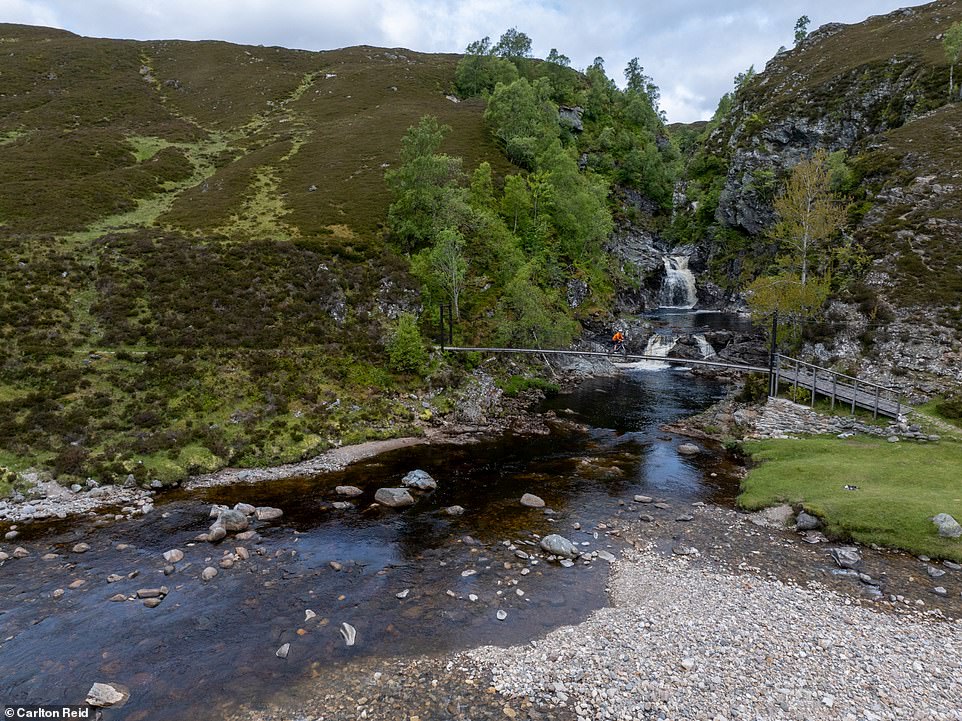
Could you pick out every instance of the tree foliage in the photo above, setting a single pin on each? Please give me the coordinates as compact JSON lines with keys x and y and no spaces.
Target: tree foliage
{"x":952,"y":45}
{"x":406,"y":351}
{"x":801,"y":29}
{"x":808,"y":213}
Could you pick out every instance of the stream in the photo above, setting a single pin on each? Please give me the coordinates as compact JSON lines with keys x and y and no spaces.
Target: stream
{"x":209,"y":647}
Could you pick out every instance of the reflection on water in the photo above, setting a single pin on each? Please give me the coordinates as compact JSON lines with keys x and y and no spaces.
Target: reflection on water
{"x":214,"y":642}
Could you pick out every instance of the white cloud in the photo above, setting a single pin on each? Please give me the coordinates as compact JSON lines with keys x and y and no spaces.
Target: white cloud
{"x":692,"y":48}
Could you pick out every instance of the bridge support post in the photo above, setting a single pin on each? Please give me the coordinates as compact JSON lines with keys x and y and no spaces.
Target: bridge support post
{"x":772,"y":381}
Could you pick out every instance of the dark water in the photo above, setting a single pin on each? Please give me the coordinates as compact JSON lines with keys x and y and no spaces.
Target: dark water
{"x":699,"y":321}
{"x":212,"y":644}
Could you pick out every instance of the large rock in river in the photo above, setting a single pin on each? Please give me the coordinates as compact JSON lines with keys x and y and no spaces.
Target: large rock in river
{"x":232,"y":520}
{"x":529,"y":500}
{"x":419,"y":479}
{"x":394,"y":497}
{"x":558,"y":546}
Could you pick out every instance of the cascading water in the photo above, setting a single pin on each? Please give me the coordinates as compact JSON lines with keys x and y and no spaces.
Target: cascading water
{"x":678,"y":287}
{"x":659,"y":346}
{"x":704,"y":346}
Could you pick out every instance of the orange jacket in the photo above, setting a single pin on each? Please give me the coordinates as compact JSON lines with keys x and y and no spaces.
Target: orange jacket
{"x":617,"y":337}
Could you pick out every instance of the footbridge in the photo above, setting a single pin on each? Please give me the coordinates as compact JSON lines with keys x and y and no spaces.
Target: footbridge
{"x":801,"y":381}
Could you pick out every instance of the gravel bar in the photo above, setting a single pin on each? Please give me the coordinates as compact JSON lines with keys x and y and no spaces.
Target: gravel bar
{"x":681,"y":642}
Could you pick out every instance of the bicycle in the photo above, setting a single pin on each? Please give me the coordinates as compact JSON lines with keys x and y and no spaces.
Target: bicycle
{"x":618,"y":347}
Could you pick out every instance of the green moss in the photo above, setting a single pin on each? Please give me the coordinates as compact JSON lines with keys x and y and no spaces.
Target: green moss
{"x":162,"y":468}
{"x":198,"y":459}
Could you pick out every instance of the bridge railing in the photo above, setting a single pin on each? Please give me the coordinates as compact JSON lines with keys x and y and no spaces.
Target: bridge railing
{"x":839,"y":388}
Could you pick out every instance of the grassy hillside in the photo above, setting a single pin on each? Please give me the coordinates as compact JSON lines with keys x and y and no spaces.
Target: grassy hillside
{"x":191,"y":232}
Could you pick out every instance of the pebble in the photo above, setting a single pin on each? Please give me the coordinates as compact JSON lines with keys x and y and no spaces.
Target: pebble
{"x":49,"y":557}
{"x":208,"y":573}
{"x":81,"y":548}
{"x":77,"y":584}
{"x":501,"y":614}
{"x":468,"y":572}
{"x":403,"y":594}
{"x":283,"y":651}
{"x":58,"y":593}
{"x":152,"y":602}
{"x":643,"y":499}
{"x":20,"y":552}
{"x":335,"y":565}
{"x":174,"y":555}
{"x":117,"y":597}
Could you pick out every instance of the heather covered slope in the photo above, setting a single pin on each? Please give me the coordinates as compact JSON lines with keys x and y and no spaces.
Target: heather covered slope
{"x":194,"y":268}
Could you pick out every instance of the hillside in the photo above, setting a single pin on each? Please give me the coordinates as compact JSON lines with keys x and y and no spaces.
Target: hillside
{"x":875,"y":95}
{"x":196,"y":272}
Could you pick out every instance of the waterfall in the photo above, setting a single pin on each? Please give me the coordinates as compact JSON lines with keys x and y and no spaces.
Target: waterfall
{"x":658,"y":346}
{"x":678,"y":287}
{"x":704,"y":346}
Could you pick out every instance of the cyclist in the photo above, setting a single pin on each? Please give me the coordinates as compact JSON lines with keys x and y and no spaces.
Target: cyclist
{"x":618,"y":343}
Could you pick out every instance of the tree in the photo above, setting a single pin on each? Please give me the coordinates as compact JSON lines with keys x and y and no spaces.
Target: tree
{"x":523,"y":117}
{"x":513,"y":44}
{"x":744,"y":78}
{"x":638,"y":82}
{"x":808,"y":214}
{"x":557,"y":58}
{"x":405,"y":348}
{"x":449,"y":267}
{"x":788,"y":296}
{"x":952,"y":44}
{"x":801,"y":29}
{"x":515,"y":202}
{"x":426,"y":187}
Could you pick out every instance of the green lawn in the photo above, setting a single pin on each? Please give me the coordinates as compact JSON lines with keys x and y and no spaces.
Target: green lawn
{"x":900,"y":486}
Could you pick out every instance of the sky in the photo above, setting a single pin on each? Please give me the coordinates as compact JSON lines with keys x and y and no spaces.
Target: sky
{"x":691,"y":48}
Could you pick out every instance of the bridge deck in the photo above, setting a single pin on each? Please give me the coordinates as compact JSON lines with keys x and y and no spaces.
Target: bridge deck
{"x":615,"y":357}
{"x":870,"y":397}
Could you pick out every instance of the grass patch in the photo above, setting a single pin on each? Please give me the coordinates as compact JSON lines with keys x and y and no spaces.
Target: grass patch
{"x":900,"y":487}
{"x":517,"y":384}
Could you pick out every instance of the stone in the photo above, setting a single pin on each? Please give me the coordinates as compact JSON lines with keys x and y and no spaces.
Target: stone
{"x":335,"y":565}
{"x":153,"y":602}
{"x":247,"y":536}
{"x":49,"y":557}
{"x":948,"y":527}
{"x":283,"y":651}
{"x":242,"y":553}
{"x":226,"y":562}
{"x":106,"y":694}
{"x":217,"y":533}
{"x":77,"y":584}
{"x":529,"y":500}
{"x":689,"y":449}
{"x":605,"y":556}
{"x":117,"y":597}
{"x":454,"y":510}
{"x":342,"y":505}
{"x":468,"y":572}
{"x":403,"y":594}
{"x":688,"y":663}
{"x":501,"y":614}
{"x":245,"y":508}
{"x":685,"y":517}
{"x":309,"y":614}
{"x":806,"y":522}
{"x":952,"y":565}
{"x":20,"y":552}
{"x":644,"y":517}
{"x":4,"y":557}
{"x":643,"y":499}
{"x":208,"y":573}
{"x":394,"y":497}
{"x":232,"y":520}
{"x":81,"y":548}
{"x":349,"y":491}
{"x":419,"y":479}
{"x":149,"y":592}
{"x":684,"y":551}
{"x":892,"y":439}
{"x":174,"y":555}
{"x":940,"y":591}
{"x":215,"y":510}
{"x":10,"y":535}
{"x":934,"y":572}
{"x":58,"y":593}
{"x":846,"y":556}
{"x":558,"y":546}
{"x":267,"y":513}
{"x":349,"y":633}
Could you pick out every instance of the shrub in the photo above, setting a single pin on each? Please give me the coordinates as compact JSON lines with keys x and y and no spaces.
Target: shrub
{"x":951,"y":407}
{"x":755,"y":389}
{"x":406,"y":349}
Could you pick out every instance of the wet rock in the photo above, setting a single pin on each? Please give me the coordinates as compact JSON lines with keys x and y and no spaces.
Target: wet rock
{"x":349,"y":633}
{"x":394,"y":497}
{"x":947,"y":526}
{"x":10,"y":535}
{"x":454,"y":510}
{"x":685,"y":517}
{"x":689,"y":449}
{"x":208,"y":573}
{"x":644,"y":517}
{"x":153,"y":602}
{"x":565,"y":563}
{"x":605,"y":556}
{"x":419,"y":479}
{"x":81,"y":548}
{"x":403,"y":594}
{"x":117,"y":597}
{"x":846,"y":556}
{"x":643,"y":499}
{"x":232,"y":520}
{"x":529,"y":500}
{"x":283,"y":651}
{"x":58,"y":593}
{"x":4,"y":557}
{"x":940,"y":591}
{"x":106,"y":695}
{"x":558,"y":546}
{"x":685,"y":551}
{"x":308,"y":615}
{"x":934,"y":572}
{"x":226,"y":562}
{"x":245,"y":508}
{"x":114,"y":577}
{"x":342,"y":505}
{"x":348,"y":491}
{"x":952,"y":565}
{"x":49,"y":557}
{"x":174,"y":555}
{"x":335,"y":565}
{"x":247,"y":536}
{"x":806,"y":522}
{"x":242,"y":553}
{"x":663,"y":506}
{"x":20,"y":552}
{"x":217,"y":533}
{"x":501,"y":614}
{"x":216,"y":510}
{"x":151,"y":592}
{"x":267,"y":513}
{"x":77,"y":584}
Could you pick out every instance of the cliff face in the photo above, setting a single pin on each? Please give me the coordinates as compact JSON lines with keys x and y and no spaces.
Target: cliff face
{"x":877,"y":90}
